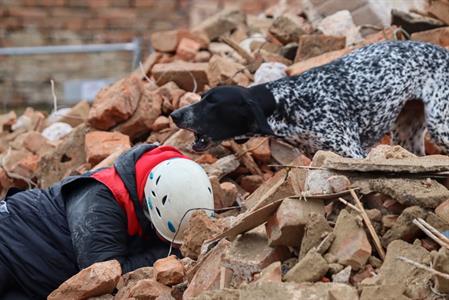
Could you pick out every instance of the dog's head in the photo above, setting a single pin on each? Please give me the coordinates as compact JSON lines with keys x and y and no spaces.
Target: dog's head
{"x":223,"y":113}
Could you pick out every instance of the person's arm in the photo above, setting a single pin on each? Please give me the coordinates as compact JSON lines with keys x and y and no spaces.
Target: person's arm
{"x":98,"y":226}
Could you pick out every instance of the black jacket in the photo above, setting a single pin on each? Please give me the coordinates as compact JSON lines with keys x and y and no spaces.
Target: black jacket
{"x":48,"y":235}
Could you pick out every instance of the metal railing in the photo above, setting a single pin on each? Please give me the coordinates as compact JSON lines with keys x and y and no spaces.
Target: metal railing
{"x":134,"y":47}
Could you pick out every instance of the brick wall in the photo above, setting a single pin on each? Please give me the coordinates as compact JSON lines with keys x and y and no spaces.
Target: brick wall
{"x":26,"y":79}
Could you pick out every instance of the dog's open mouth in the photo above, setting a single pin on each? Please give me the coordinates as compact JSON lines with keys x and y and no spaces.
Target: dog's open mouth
{"x":201,"y":143}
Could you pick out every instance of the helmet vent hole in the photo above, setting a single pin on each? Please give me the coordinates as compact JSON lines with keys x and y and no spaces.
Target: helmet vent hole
{"x":157,"y":180}
{"x":153,"y":193}
{"x":164,"y":199}
{"x":158,"y":212}
{"x":210,"y":191}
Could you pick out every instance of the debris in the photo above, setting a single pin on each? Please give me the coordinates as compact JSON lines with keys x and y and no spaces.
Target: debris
{"x":311,"y":45}
{"x":56,"y":131}
{"x":309,"y":269}
{"x":249,"y":254}
{"x":442,"y":210}
{"x":223,"y":166}
{"x":207,"y":276}
{"x":168,"y":271}
{"x":404,"y":228}
{"x":189,"y":76}
{"x":269,"y":71}
{"x":101,"y":144}
{"x":413,"y":281}
{"x":341,"y":24}
{"x":96,"y":280}
{"x":440,"y":262}
{"x":286,"y":227}
{"x":351,"y":246}
{"x":146,"y":289}
{"x":287,"y":28}
{"x":116,"y":103}
{"x":342,"y":276}
{"x":316,"y":228}
{"x":271,"y":273}
{"x":199,"y":229}
{"x":439,"y":9}
{"x":220,"y":23}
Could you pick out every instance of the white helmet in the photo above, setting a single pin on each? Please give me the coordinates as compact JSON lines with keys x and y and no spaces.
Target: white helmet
{"x":173,"y":187}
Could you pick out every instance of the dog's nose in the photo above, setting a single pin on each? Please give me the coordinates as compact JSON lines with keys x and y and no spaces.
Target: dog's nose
{"x":176,"y":116}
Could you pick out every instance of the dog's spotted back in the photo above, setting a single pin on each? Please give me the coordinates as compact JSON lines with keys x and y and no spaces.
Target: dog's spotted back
{"x":348,"y":105}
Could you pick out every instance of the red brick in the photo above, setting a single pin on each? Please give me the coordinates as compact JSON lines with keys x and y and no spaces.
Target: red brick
{"x":439,"y":36}
{"x":144,"y":3}
{"x":200,"y":228}
{"x":317,"y":44}
{"x":187,"y":49}
{"x":260,"y":148}
{"x":160,"y":123}
{"x":316,"y":61}
{"x":182,"y":73}
{"x":98,"y":3}
{"x":49,"y":2}
{"x":100,"y":144}
{"x":116,"y":103}
{"x":70,"y":12}
{"x":27,"y":12}
{"x":351,"y":245}
{"x":286,"y":226}
{"x":440,"y":9}
{"x":207,"y":277}
{"x":188,"y":98}
{"x":117,"y":13}
{"x":148,"y":289}
{"x":251,"y":182}
{"x":98,"y":279}
{"x":169,"y":271}
{"x":5,"y":182}
{"x":164,"y":41}
{"x":442,"y":211}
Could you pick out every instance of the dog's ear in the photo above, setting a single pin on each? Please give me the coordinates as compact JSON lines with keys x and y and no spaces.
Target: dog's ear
{"x":259,"y":117}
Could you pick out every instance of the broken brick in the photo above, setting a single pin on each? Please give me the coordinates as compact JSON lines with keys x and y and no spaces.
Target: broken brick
{"x":317,"y":44}
{"x":200,"y":228}
{"x":438,"y":36}
{"x":316,"y":61}
{"x":160,"y":123}
{"x":351,"y":245}
{"x":186,"y":75}
{"x":188,"y":98}
{"x":218,"y":24}
{"x":100,"y":144}
{"x":287,"y":28}
{"x":442,"y":211}
{"x":286,"y":226}
{"x":404,"y":228}
{"x":260,"y":148}
{"x":98,"y":279}
{"x":339,"y":183}
{"x":116,"y":103}
{"x":251,"y":182}
{"x":440,"y":10}
{"x":223,"y":70}
{"x":164,"y":41}
{"x":271,"y":273}
{"x":148,"y":110}
{"x":207,"y":277}
{"x":148,"y":289}
{"x":187,"y":49}
{"x":168,"y":271}
{"x":22,"y":163}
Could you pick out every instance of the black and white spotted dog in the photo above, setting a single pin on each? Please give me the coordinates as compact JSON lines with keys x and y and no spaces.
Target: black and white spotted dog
{"x":345,"y":106}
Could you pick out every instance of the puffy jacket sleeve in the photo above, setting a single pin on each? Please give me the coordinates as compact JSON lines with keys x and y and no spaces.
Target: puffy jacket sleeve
{"x":98,"y":227}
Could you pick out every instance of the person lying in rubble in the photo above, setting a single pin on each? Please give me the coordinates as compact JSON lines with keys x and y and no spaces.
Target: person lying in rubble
{"x":48,"y":235}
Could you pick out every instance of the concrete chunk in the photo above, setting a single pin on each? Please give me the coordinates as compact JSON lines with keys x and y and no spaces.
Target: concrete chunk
{"x":250,"y":254}
{"x":403,"y":228}
{"x":310,"y":268}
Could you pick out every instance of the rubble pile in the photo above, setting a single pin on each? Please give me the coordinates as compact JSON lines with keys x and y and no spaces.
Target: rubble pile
{"x":325,"y":227}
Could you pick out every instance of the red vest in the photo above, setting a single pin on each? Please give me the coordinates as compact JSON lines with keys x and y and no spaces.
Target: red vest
{"x":110,"y":178}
